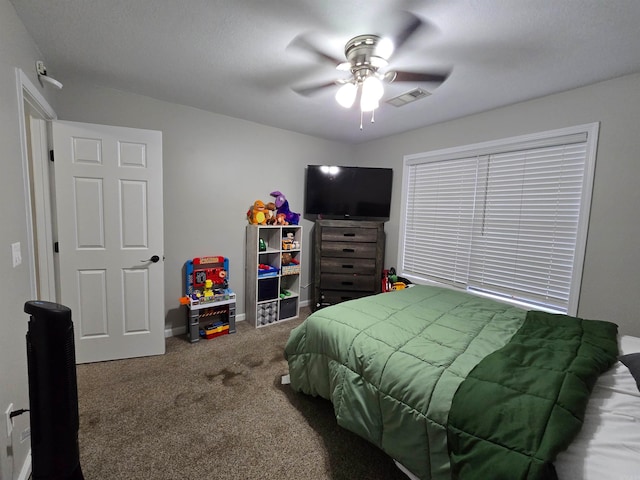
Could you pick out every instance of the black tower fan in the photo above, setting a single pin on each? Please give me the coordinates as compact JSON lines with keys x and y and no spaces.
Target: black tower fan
{"x":53,"y":392}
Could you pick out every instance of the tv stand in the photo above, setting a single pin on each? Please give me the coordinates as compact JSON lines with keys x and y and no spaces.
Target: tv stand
{"x":348,"y":260}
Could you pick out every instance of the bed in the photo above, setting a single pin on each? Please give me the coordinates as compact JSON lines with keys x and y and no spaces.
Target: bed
{"x":452,"y":385}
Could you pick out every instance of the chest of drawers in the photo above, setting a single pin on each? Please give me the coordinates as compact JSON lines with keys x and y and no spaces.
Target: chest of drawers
{"x":348,"y":259}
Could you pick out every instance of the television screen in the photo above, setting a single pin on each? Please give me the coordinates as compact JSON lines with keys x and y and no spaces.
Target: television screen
{"x":358,"y":193}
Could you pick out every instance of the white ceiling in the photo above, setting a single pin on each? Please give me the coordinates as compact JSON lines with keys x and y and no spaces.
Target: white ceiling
{"x":231,"y":57}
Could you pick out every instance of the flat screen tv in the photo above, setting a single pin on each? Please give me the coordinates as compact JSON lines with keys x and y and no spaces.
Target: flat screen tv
{"x":355,"y":193}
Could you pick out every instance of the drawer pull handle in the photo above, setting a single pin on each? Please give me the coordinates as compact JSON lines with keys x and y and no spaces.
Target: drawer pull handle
{"x":348,"y":250}
{"x":347,"y":283}
{"x":350,"y":234}
{"x":347,"y":266}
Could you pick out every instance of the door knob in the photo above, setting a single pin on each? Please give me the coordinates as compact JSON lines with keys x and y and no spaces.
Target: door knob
{"x":154,"y":259}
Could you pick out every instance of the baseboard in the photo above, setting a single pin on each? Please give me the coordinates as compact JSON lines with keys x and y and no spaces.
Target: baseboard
{"x":182,"y":330}
{"x":25,"y":471}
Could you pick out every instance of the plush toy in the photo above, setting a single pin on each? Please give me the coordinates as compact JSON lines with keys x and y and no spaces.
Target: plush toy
{"x":281,"y":219}
{"x":282,"y":205}
{"x":270,"y":212}
{"x":256,"y":213}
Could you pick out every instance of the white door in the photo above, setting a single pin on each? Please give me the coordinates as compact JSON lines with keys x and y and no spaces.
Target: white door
{"x":108,"y":195}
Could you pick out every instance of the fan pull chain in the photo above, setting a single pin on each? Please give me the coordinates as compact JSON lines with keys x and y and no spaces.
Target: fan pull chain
{"x":373,"y":118}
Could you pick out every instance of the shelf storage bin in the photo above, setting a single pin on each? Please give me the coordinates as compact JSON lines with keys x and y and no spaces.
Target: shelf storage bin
{"x":288,"y":308}
{"x":268,"y":288}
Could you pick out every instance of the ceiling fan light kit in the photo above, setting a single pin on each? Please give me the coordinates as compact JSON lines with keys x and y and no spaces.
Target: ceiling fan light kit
{"x":371,"y":91}
{"x":365,"y":55}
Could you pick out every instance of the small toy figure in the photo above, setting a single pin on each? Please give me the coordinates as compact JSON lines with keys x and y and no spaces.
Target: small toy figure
{"x":287,"y":242}
{"x":282,"y":205}
{"x":284,"y":293}
{"x":208,"y":290}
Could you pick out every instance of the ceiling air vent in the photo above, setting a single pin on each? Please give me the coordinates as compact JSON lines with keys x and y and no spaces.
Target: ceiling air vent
{"x":408,"y":97}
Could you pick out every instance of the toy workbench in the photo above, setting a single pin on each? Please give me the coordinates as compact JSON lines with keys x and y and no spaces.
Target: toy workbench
{"x":210,"y":302}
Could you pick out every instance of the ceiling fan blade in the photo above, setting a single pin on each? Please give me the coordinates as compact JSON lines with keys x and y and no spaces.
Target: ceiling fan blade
{"x":303,"y":43}
{"x":395,"y":76}
{"x":411,"y":24}
{"x":310,"y":90}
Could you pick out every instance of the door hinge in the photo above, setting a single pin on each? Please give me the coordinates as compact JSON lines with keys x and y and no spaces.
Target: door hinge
{"x":56,"y":247}
{"x":51,"y":155}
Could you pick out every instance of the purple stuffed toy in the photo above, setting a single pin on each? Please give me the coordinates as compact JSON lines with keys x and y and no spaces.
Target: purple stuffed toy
{"x":282,"y":206}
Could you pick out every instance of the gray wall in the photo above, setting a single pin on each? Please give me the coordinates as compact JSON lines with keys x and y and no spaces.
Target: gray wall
{"x":611,"y":277}
{"x":16,"y":50}
{"x":215,"y":167}
{"x":241,"y":161}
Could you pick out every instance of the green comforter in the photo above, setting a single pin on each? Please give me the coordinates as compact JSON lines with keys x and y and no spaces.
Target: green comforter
{"x":392,"y":363}
{"x":523,"y":404}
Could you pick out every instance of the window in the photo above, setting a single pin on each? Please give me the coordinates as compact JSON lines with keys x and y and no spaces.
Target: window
{"x":506,"y":218}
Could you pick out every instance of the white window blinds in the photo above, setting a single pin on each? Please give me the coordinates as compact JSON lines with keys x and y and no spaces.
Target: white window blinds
{"x":502,"y":218}
{"x":439,"y":219}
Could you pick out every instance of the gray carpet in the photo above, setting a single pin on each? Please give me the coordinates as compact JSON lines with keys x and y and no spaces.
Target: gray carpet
{"x":215,"y":410}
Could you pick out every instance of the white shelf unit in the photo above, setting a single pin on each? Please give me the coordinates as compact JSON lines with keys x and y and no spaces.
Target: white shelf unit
{"x":272,"y":296}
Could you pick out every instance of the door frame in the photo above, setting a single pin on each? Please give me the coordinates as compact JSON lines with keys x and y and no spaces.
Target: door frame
{"x":29,"y":96}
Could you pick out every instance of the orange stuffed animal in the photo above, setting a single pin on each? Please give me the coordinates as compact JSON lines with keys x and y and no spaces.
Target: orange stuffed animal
{"x":257,"y":213}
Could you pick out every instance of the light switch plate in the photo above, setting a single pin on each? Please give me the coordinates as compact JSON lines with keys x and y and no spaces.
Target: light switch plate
{"x":16,"y":254}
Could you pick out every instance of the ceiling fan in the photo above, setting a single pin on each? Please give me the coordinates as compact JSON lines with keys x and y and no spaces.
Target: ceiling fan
{"x":367,"y":65}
